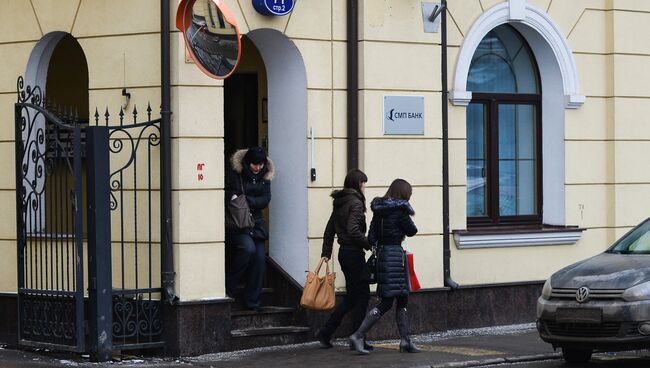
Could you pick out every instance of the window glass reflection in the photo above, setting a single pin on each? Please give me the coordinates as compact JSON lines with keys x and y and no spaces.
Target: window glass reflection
{"x":503,"y":167}
{"x":476,"y":160}
{"x":517,"y":160}
{"x":503,"y":63}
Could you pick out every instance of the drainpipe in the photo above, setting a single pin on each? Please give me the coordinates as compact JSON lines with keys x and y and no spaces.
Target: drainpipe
{"x":353,"y":83}
{"x":446,"y":252}
{"x":165,"y":156}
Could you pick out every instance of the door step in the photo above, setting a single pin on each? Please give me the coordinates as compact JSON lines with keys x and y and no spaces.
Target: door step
{"x":244,"y":319}
{"x":270,"y":326}
{"x":269,"y":336}
{"x":262,"y":310}
{"x":265,"y":331}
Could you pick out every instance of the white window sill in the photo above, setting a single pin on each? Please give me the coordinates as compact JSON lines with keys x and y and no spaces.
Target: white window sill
{"x":516,"y":238}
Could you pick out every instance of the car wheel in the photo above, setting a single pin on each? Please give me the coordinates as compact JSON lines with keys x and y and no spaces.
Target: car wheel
{"x":572,"y":355}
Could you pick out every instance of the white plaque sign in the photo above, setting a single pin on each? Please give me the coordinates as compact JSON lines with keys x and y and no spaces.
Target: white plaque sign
{"x":404,"y":115}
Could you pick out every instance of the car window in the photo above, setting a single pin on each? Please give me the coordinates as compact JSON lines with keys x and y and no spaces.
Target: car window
{"x":636,"y":241}
{"x":642,"y":244}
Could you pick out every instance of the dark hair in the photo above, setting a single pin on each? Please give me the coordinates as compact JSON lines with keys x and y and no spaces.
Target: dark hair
{"x":353,"y":180}
{"x":399,"y":189}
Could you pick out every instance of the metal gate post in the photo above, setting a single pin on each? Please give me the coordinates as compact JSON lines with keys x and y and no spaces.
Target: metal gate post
{"x":99,"y":243}
{"x":20,"y":226}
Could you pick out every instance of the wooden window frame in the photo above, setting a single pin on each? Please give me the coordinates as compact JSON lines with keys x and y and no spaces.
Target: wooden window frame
{"x":491,"y":102}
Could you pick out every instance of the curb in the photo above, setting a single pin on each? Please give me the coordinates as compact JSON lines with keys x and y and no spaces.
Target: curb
{"x":495,"y":361}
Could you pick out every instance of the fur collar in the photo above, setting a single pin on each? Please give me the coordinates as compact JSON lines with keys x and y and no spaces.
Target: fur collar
{"x":237,"y":163}
{"x":382,"y":205}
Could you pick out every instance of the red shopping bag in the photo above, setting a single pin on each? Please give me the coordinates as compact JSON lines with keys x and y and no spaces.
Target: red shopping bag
{"x":413,"y":278}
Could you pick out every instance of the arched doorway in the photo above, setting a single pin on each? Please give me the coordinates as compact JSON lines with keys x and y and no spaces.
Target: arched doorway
{"x":50,"y":212}
{"x":266,"y":105}
{"x":67,"y":77}
{"x":58,"y":65}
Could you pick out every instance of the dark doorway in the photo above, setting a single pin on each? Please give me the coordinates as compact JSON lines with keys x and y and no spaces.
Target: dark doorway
{"x":66,"y":90}
{"x":240,"y":113}
{"x":50,"y":226}
{"x":67,"y":79}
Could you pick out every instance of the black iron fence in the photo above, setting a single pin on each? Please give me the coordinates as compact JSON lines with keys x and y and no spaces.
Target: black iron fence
{"x":135,"y":195}
{"x":94,"y":186}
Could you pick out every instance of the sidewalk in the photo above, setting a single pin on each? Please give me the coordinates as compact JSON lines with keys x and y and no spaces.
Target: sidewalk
{"x":461,"y":348}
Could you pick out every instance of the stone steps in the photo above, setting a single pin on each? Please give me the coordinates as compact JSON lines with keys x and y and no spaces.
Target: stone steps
{"x":278,"y":322}
{"x":266,"y":317}
{"x":269,"y":336}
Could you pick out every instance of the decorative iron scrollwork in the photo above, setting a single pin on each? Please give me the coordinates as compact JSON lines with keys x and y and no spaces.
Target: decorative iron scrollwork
{"x":50,"y":319}
{"x":46,"y":141}
{"x":125,"y":140}
{"x":33,"y":95}
{"x":135,"y":317}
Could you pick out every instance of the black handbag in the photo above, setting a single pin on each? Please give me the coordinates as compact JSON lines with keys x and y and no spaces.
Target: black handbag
{"x":238,"y":214}
{"x":371,"y":267}
{"x":371,"y":262}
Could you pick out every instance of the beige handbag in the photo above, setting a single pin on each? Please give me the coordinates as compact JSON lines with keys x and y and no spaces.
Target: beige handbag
{"x":318,"y":293}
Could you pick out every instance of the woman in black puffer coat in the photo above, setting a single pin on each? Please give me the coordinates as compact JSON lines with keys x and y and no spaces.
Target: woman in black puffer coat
{"x":391,"y":223}
{"x":251,"y":174}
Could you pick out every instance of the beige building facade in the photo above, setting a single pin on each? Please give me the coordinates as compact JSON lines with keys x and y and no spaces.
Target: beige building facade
{"x":589,"y":61}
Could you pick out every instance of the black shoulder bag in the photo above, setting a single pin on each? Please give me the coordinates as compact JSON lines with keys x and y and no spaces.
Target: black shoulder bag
{"x":371,"y":263}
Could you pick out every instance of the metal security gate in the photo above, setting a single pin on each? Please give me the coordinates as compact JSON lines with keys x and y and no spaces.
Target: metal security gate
{"x":49,"y":203}
{"x":93,"y":186}
{"x":135,"y":214}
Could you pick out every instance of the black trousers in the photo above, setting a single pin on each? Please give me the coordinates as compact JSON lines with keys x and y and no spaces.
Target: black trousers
{"x":247,"y":257}
{"x":357,"y":292}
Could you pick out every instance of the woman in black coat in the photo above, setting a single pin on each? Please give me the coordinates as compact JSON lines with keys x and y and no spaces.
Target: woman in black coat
{"x":391,"y":223}
{"x":348,"y":223}
{"x":251,"y":174}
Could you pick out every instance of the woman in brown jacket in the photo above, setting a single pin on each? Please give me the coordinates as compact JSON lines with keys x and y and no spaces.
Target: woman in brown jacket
{"x":348,"y":223}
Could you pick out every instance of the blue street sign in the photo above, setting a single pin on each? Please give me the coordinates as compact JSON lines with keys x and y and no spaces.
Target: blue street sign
{"x":273,"y":7}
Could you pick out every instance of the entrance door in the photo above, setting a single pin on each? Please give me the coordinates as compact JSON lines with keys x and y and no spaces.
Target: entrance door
{"x":240,"y":113}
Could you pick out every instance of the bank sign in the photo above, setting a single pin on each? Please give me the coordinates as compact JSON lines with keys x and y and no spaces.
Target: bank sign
{"x":404,"y":115}
{"x":273,"y":7}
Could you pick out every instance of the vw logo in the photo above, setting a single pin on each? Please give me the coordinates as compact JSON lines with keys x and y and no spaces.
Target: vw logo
{"x":582,"y":295}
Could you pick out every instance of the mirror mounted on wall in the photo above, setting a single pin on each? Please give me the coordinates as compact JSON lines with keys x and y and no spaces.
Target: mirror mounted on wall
{"x":211,"y":36}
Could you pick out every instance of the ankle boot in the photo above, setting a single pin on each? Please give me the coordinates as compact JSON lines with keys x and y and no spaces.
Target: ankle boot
{"x":324,"y":339}
{"x":356,"y":340}
{"x":405,"y":344}
{"x":366,"y":346}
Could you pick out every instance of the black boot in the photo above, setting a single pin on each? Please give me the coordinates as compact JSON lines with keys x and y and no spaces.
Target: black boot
{"x":356,"y":339}
{"x":366,"y":346}
{"x":405,"y":345}
{"x":324,"y":339}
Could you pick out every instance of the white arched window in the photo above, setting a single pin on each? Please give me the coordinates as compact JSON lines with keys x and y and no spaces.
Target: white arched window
{"x":512,"y":55}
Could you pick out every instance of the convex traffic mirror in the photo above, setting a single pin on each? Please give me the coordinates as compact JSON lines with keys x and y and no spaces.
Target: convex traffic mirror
{"x":211,"y":36}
